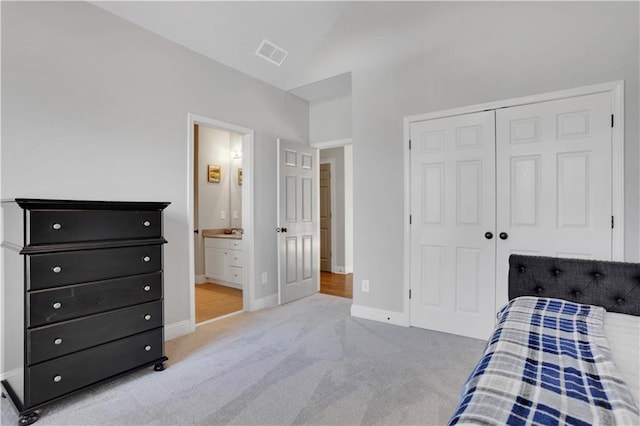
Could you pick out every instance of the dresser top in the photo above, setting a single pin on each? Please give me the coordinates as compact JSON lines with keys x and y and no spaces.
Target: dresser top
{"x":36,"y":203}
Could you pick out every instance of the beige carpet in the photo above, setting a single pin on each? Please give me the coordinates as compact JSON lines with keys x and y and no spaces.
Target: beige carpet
{"x":307,"y":362}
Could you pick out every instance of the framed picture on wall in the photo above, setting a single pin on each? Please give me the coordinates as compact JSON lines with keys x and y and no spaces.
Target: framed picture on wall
{"x":240,"y":176}
{"x":213,"y":173}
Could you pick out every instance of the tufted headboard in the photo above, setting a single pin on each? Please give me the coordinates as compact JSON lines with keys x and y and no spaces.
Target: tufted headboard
{"x":613,"y":285}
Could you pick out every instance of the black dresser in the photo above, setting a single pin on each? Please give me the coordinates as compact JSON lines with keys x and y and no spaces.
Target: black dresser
{"x":83,"y":298}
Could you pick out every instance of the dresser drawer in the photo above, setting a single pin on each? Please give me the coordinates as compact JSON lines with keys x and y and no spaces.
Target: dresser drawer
{"x":235,"y":258}
{"x":52,"y":341}
{"x":64,"y":226}
{"x":223,"y":243}
{"x":235,"y":275}
{"x":57,"y":377}
{"x":64,"y":303}
{"x":58,"y":269}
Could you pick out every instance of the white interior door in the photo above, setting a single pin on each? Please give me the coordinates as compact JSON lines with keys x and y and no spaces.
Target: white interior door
{"x":553,"y":181}
{"x":453,"y":207}
{"x":298,"y":221}
{"x":325,"y":217}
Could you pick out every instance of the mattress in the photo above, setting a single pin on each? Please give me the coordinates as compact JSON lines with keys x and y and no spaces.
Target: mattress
{"x":623,"y":334}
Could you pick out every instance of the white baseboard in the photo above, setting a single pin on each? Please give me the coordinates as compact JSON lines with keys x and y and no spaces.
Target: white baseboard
{"x":16,"y":372}
{"x":177,"y":329}
{"x":390,"y":317}
{"x":201,"y":279}
{"x":266,"y":302}
{"x":343,"y":270}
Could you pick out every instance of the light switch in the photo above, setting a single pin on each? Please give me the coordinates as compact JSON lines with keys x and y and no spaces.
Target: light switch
{"x":223,"y":214}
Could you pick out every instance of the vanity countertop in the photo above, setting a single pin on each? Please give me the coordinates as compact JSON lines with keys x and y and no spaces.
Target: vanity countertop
{"x":213,"y":233}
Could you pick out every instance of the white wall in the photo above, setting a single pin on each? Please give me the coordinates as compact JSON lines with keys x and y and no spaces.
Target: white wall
{"x":214,"y":199}
{"x":338,"y":207}
{"x":235,"y":187}
{"x":342,"y":209}
{"x":348,"y":208}
{"x":330,"y":119}
{"x":453,"y":54}
{"x":94,"y":107}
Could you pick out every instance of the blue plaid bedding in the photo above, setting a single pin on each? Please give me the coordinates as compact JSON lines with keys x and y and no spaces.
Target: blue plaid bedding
{"x":548,"y":362}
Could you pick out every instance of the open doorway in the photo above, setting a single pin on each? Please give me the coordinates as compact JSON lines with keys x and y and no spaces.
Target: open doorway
{"x":336,"y":221}
{"x":218,"y":220}
{"x":221,"y":188}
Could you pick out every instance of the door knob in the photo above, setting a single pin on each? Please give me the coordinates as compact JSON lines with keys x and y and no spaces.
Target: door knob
{"x":488,"y":235}
{"x":504,"y":235}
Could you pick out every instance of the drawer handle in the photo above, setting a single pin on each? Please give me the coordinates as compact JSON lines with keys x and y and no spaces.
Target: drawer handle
{"x":147,"y":348}
{"x":56,"y":269}
{"x":147,"y":287}
{"x":56,"y":226}
{"x":57,"y":305}
{"x":58,"y":341}
{"x":147,"y":317}
{"x":146,"y":258}
{"x":146,"y":223}
{"x":57,"y":378}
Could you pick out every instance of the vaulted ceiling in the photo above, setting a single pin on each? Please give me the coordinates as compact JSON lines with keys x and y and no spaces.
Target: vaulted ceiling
{"x":231,"y":32}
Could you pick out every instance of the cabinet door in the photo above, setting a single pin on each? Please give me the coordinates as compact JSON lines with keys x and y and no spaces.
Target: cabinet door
{"x":215,"y":263}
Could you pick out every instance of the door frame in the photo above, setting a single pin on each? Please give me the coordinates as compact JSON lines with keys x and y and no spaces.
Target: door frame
{"x":248,"y":286}
{"x":615,"y":88}
{"x":332,"y":164}
{"x":337,"y":143}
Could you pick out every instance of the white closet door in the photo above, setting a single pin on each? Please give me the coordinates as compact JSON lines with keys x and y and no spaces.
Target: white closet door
{"x":553,"y":181}
{"x":453,"y":206}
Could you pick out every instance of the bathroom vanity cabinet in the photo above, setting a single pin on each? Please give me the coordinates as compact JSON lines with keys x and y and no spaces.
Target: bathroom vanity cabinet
{"x":223,"y":261}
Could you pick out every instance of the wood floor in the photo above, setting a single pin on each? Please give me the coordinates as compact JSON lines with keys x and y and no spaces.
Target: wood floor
{"x":336,"y":284}
{"x":214,"y":300}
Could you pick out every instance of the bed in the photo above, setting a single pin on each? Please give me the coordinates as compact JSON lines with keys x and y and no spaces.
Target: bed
{"x":565,"y":350}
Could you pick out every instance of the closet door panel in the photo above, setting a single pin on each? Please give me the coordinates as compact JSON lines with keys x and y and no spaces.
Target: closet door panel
{"x":553,"y":181}
{"x":453,"y":206}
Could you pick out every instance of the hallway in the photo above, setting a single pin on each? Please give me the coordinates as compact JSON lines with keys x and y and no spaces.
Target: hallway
{"x":336,"y":284}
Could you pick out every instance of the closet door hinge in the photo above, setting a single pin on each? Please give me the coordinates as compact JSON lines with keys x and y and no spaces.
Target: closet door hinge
{"x":611,"y":120}
{"x":410,"y":218}
{"x":612,"y":222}
{"x":409,"y":293}
{"x":409,"y":144}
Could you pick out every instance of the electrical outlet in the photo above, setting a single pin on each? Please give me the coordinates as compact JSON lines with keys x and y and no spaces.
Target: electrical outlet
{"x":265,"y":278}
{"x":365,"y":286}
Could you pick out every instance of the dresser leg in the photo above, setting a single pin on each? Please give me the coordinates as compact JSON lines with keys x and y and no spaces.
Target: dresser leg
{"x":159,"y":366}
{"x":28,"y":419}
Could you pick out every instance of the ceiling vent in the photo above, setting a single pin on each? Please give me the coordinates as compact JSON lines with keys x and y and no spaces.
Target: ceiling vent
{"x":271,"y":52}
